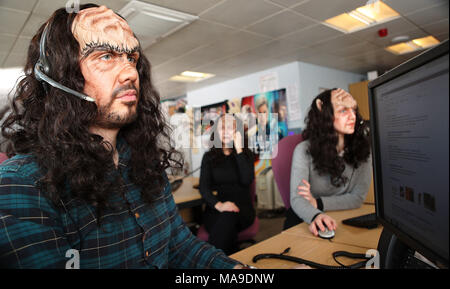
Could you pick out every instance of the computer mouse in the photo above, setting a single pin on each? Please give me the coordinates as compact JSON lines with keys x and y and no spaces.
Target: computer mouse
{"x":327,"y":234}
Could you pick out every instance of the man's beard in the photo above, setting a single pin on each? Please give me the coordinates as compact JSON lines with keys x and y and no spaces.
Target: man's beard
{"x":112,"y":120}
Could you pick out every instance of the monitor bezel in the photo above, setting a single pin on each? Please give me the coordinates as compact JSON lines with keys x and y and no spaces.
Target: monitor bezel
{"x":413,"y":63}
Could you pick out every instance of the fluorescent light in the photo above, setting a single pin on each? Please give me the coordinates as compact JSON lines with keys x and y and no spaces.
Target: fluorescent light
{"x":378,"y":11}
{"x":413,"y":45}
{"x":362,"y":17}
{"x":191,"y":76}
{"x":345,"y":23}
{"x":425,"y":42}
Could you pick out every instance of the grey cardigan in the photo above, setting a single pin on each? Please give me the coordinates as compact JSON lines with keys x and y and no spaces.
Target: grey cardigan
{"x":348,"y":196}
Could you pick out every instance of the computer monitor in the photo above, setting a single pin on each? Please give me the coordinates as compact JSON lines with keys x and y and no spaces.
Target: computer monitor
{"x":409,"y":110}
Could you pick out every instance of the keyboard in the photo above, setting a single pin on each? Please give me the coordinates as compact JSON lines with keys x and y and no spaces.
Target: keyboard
{"x":368,"y":221}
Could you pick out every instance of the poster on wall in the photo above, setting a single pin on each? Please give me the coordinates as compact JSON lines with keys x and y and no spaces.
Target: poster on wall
{"x":271,"y":111}
{"x":293,"y":104}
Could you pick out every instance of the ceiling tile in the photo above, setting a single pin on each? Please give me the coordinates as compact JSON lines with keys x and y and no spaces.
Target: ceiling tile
{"x":280,"y":24}
{"x":359,"y":48}
{"x":404,"y":7}
{"x":442,"y":37}
{"x":197,"y":34}
{"x":236,"y":12}
{"x":288,"y":3}
{"x":437,"y":27}
{"x":18,"y":5}
{"x":313,"y":35}
{"x":191,"y":6}
{"x":324,"y":9}
{"x":227,"y":46}
{"x":340,"y":42}
{"x":429,"y":15}
{"x":46,"y":8}
{"x":156,"y":60}
{"x":33,"y":24}
{"x":6,"y":42}
{"x":207,"y":82}
{"x":2,"y":57}
{"x":394,"y":27}
{"x":275,"y":49}
{"x":21,"y":45}
{"x":237,"y":42}
{"x":11,"y":21}
{"x":327,"y":60}
{"x":15,"y":60}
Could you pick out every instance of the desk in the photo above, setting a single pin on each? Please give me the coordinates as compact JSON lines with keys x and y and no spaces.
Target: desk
{"x":189,"y":200}
{"x":305,"y":248}
{"x":186,"y":196}
{"x":305,"y":245}
{"x":345,"y":234}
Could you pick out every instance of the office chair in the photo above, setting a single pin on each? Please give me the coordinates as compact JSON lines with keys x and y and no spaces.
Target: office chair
{"x":244,"y":236}
{"x":3,"y":157}
{"x":282,"y":163}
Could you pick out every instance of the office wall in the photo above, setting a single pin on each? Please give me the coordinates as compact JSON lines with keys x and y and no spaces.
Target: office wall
{"x":306,"y":79}
{"x":314,"y":77}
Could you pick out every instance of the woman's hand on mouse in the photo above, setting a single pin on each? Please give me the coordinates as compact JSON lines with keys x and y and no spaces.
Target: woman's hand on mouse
{"x":305,"y":192}
{"x":321,"y":222}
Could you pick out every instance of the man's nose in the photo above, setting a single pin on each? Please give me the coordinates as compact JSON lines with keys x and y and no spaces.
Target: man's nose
{"x":128,"y":71}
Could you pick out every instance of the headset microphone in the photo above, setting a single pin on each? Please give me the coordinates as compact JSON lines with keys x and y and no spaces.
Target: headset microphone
{"x":42,"y":68}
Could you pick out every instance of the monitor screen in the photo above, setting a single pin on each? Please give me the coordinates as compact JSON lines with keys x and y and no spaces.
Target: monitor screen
{"x":410,"y":124}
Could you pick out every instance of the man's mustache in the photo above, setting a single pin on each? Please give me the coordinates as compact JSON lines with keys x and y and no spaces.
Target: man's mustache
{"x":121,"y":89}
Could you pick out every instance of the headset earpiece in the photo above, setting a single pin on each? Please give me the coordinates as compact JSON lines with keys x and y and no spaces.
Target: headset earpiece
{"x":42,"y":70}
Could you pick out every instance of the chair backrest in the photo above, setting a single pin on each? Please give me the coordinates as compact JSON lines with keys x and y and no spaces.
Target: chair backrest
{"x":3,"y":157}
{"x":282,"y":163}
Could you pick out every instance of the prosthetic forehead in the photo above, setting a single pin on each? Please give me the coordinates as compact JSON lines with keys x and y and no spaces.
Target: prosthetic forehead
{"x":100,"y":27}
{"x":341,"y":97}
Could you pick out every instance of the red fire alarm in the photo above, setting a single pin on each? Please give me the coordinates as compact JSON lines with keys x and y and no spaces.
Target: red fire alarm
{"x":383,"y":32}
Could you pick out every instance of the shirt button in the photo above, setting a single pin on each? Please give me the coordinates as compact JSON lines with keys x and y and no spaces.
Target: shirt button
{"x":136,"y":215}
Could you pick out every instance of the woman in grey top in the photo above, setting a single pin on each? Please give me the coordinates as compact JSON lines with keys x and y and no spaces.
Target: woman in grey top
{"x":332,"y":167}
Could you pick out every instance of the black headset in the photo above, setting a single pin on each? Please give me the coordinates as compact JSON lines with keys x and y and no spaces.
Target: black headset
{"x":42,"y":69}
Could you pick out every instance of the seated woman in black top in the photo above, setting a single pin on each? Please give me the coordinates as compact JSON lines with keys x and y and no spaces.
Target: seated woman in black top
{"x":228,"y":169}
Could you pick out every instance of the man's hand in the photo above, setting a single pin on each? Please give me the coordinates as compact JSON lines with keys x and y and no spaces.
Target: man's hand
{"x":322,"y":222}
{"x":226,"y":207}
{"x":305,"y":192}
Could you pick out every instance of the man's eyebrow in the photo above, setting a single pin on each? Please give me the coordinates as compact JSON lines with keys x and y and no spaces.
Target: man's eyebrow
{"x":92,"y":47}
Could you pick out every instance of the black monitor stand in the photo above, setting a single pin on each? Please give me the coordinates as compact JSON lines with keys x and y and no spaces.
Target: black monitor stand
{"x":394,"y":254}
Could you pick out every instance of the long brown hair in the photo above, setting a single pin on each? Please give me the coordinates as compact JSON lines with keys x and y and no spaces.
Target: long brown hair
{"x":53,"y":125}
{"x":323,"y":140}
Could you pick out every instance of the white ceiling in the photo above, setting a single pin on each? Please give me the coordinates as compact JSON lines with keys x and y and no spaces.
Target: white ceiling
{"x":232,"y":38}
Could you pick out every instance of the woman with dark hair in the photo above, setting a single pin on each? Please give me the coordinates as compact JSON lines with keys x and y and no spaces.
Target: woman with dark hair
{"x":331,"y":168}
{"x":228,"y":169}
{"x":88,"y":177}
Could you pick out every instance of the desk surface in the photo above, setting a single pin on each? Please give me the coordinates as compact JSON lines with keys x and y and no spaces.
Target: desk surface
{"x":305,"y":245}
{"x":345,"y":234}
{"x":186,"y":192}
{"x":301,"y":247}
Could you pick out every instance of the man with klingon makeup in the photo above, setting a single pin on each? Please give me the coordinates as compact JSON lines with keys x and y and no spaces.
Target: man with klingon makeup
{"x":85,"y":183}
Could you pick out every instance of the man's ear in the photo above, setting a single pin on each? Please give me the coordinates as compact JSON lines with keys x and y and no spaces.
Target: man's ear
{"x":319,"y":104}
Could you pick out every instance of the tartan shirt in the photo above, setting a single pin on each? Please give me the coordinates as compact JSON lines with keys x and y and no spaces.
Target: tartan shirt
{"x":35,"y":234}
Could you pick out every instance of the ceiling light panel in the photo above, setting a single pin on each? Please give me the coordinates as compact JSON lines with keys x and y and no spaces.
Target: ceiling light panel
{"x":362,"y":17}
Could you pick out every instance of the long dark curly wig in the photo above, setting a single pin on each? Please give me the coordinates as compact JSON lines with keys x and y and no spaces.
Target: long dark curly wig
{"x":53,"y":127}
{"x":323,"y":140}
